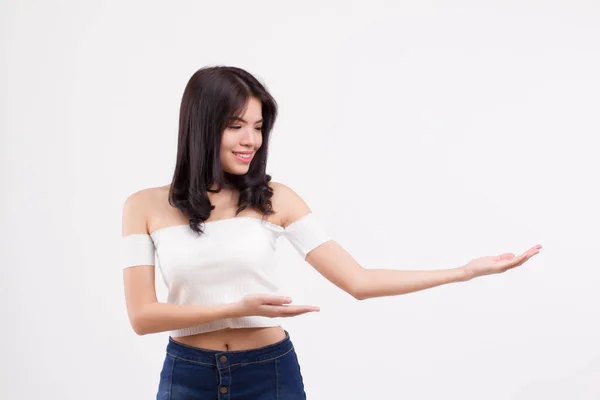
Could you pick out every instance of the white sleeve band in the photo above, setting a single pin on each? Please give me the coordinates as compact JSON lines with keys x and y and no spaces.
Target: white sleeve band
{"x":306,"y":233}
{"x":137,"y":249}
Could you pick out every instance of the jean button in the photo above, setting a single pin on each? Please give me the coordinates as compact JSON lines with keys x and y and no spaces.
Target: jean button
{"x":223,"y":359}
{"x":223,"y":390}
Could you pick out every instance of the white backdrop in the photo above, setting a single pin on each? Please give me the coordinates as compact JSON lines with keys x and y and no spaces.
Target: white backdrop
{"x":424,"y":134}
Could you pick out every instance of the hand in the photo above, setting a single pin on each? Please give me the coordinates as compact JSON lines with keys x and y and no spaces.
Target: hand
{"x":271,"y":306}
{"x":497,"y":264}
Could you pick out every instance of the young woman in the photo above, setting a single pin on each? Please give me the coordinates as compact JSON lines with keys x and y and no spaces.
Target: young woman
{"x":213,"y":230}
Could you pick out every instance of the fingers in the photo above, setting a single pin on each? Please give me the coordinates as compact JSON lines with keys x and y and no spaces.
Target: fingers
{"x":531,"y":252}
{"x":290,"y":311}
{"x":275,"y":300}
{"x":296,"y":313}
{"x":299,"y":309}
{"x":515,"y":262}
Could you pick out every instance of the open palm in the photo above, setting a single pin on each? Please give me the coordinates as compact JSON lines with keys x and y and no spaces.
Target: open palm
{"x":498,"y":264}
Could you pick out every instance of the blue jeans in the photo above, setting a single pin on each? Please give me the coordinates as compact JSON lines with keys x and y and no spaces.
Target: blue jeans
{"x":266,"y":373}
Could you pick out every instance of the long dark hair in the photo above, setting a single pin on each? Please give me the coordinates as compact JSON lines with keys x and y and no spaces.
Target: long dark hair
{"x":212,"y":97}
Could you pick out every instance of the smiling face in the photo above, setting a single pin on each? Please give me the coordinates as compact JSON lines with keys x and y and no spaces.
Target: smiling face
{"x":241,"y":139}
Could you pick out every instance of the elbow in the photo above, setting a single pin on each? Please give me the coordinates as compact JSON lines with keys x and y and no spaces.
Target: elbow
{"x":138,"y":324}
{"x":138,"y":327}
{"x":358,"y":292}
{"x":359,"y":296}
{"x":140,"y":331}
{"x":359,"y":286}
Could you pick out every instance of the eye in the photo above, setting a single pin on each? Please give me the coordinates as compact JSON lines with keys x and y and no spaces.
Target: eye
{"x":238,"y":127}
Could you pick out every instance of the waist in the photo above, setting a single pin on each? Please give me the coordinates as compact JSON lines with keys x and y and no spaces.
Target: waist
{"x":205,"y":346}
{"x":225,"y":324}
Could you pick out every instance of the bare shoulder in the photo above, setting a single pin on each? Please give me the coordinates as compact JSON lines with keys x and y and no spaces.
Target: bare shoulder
{"x":288,"y":203}
{"x":137,"y":208}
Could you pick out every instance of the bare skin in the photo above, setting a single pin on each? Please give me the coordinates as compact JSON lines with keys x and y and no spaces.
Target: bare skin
{"x":225,"y":206}
{"x":148,"y":210}
{"x":329,"y":259}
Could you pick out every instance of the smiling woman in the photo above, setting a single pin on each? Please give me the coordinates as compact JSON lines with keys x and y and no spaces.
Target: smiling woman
{"x":242,"y":138}
{"x":214,"y":229}
{"x":225,"y":111}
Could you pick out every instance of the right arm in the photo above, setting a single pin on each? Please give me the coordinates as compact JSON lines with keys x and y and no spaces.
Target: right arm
{"x":153,"y":317}
{"x":146,"y":314}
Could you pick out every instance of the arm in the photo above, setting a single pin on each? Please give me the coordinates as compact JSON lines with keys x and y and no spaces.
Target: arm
{"x":339,"y":267}
{"x":333,"y":262}
{"x":145,"y":313}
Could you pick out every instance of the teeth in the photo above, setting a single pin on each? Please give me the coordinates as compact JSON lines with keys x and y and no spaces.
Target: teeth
{"x":242,"y":155}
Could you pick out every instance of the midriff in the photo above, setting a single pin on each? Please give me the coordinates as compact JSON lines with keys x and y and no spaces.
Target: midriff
{"x":234,"y":339}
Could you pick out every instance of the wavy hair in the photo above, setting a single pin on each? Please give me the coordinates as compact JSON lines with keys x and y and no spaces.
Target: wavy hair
{"x":212,"y":97}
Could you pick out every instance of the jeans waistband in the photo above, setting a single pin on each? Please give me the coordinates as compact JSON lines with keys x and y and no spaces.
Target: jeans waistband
{"x":228,"y":358}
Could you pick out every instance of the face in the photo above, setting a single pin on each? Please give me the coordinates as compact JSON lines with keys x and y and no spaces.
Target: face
{"x":241,"y":139}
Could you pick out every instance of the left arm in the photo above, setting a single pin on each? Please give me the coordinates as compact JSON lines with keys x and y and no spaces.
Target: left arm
{"x":333,"y":262}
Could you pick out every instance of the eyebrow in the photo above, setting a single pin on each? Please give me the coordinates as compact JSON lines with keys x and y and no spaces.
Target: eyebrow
{"x":243,"y":120}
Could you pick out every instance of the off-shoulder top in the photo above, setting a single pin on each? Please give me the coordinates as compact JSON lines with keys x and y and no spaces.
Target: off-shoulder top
{"x":232,"y":258}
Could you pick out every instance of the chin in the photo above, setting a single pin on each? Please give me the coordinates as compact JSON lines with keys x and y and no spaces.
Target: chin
{"x":238,"y":171}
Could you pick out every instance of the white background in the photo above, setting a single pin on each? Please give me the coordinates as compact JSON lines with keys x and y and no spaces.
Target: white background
{"x":424,"y":134}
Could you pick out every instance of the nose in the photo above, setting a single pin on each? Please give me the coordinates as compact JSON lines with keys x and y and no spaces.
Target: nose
{"x":248,"y":138}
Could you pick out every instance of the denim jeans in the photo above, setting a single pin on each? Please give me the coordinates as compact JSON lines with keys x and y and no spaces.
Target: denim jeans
{"x":266,"y":373}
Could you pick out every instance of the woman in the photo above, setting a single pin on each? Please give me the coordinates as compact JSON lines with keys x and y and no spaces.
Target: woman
{"x":213,"y":230}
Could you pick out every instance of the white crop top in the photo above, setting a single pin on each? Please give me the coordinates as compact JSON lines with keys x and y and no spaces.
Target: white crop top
{"x":232,"y":258}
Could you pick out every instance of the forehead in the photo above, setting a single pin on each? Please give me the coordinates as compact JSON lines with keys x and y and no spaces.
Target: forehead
{"x":253,"y":111}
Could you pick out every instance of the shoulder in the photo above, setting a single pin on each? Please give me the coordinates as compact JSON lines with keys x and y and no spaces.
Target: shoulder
{"x":137,"y":207}
{"x":288,"y":204}
{"x":145,"y":197}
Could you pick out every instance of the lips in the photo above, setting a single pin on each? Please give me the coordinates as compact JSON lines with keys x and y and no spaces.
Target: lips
{"x":243,"y":156}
